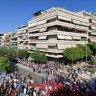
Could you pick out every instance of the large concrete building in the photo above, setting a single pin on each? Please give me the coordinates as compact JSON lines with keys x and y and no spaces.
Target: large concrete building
{"x":56,"y":29}
{"x":22,"y":37}
{"x":92,"y":25}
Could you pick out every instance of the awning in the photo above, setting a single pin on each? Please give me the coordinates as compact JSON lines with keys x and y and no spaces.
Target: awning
{"x":64,"y":37}
{"x":42,"y":37}
{"x":24,"y":31}
{"x":32,"y":29}
{"x":43,"y":29}
{"x":68,"y":37}
{"x":93,"y":21}
{"x":41,"y":22}
{"x":77,"y":38}
{"x":25,"y":42}
{"x":76,"y":22}
{"x":93,"y":27}
{"x":64,"y":18}
{"x":32,"y":24}
{"x":84,"y":23}
{"x":54,"y":56}
{"x":37,"y":23}
{"x":64,"y":46}
{"x":52,"y":44}
{"x":60,"y":37}
{"x":93,"y":40}
{"x":19,"y":42}
{"x":81,"y":27}
{"x":61,"y":46}
{"x":38,"y":45}
{"x":20,"y":32}
{"x":93,"y":33}
{"x":45,"y":46}
{"x":24,"y":37}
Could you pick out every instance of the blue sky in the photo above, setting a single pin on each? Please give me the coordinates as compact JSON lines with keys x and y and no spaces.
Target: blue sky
{"x":14,"y":13}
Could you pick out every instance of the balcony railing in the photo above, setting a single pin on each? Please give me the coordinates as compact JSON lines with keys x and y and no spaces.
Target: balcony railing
{"x":56,"y":32}
{"x":64,"y":24}
{"x":47,"y":50}
{"x":56,"y":41}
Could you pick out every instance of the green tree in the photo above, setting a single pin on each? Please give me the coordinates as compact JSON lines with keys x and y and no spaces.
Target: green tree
{"x":3,"y":51}
{"x":86,"y":49}
{"x":79,"y":53}
{"x":70,"y":54}
{"x":22,"y":53}
{"x":35,"y":55}
{"x":4,"y":64}
{"x":93,"y":59}
{"x":43,"y":58}
{"x":92,"y":46}
{"x":12,"y":53}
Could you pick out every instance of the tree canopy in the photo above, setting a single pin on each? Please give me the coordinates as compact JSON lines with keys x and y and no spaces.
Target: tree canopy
{"x":4,"y":64}
{"x":86,"y":51}
{"x":43,"y":58}
{"x":12,"y":53}
{"x":22,"y":53}
{"x":77,"y":53}
{"x":3,"y":51}
{"x":69,"y":53}
{"x":92,"y":46}
{"x":37,"y":56}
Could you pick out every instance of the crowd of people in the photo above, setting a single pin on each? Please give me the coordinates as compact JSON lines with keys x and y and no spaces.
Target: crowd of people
{"x":61,"y":83}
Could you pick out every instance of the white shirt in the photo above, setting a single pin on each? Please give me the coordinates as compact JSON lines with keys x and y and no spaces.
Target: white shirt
{"x":34,"y":93}
{"x":24,"y":90}
{"x":32,"y":81}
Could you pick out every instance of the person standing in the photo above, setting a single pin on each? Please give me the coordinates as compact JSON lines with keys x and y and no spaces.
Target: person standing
{"x":12,"y":93}
{"x":25,"y":90}
{"x":31,"y":92}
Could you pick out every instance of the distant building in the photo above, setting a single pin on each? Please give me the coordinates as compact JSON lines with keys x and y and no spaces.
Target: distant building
{"x":1,"y":39}
{"x":22,"y":37}
{"x":13,"y":43}
{"x":6,"y":39}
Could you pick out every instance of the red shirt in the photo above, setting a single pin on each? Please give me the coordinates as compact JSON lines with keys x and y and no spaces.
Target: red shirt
{"x":12,"y":94}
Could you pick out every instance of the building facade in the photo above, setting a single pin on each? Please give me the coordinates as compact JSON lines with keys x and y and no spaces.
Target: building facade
{"x":13,"y":43}
{"x":92,"y":25}
{"x":52,"y":31}
{"x":7,"y":39}
{"x":56,"y":29}
{"x":22,"y":37}
{"x":1,"y":39}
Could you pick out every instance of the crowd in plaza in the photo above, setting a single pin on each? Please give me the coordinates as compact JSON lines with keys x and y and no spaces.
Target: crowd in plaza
{"x":61,"y":83}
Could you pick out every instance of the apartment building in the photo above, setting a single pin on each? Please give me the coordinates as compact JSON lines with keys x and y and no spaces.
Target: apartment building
{"x":22,"y":37}
{"x":56,"y":29}
{"x":6,"y":39}
{"x":92,"y":25}
{"x":1,"y":38}
{"x":13,"y":43}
